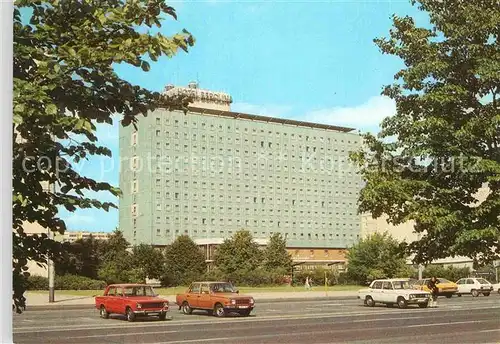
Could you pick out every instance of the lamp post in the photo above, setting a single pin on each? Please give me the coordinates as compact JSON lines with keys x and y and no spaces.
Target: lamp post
{"x":420,"y":266}
{"x":50,"y":262}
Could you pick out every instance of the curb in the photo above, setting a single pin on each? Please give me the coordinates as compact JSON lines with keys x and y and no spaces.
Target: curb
{"x":61,"y":307}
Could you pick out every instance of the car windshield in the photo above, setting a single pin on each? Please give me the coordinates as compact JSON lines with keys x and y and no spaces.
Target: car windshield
{"x":401,"y":285}
{"x":139,"y":291}
{"x":482,"y":281}
{"x":222,"y":288}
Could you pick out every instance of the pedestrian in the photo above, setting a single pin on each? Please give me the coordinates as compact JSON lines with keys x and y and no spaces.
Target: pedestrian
{"x":308,"y":283}
{"x":433,"y":288}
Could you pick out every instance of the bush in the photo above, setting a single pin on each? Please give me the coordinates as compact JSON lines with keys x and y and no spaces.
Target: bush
{"x":65,"y":282}
{"x":345,"y":279}
{"x":450,"y":273}
{"x":317,"y":276}
{"x":37,"y":283}
{"x":253,"y":278}
{"x":73,"y":282}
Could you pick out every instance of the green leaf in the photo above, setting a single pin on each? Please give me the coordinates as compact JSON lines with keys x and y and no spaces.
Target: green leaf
{"x":145,"y":66}
{"x":51,"y":109}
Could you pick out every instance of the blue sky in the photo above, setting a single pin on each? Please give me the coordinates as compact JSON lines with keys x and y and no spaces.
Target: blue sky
{"x":309,"y":60}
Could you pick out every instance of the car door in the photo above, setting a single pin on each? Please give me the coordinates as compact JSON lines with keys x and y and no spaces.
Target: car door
{"x":461,"y":286}
{"x":375,"y":291}
{"x":204,"y":299}
{"x":121,"y":300}
{"x":470,"y":285}
{"x":387,"y":291}
{"x":193,"y":295}
{"x":109,"y":301}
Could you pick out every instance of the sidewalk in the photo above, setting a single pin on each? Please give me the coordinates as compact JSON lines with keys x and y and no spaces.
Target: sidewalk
{"x":39,"y":301}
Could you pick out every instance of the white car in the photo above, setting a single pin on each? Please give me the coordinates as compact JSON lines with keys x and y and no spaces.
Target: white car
{"x":496,"y":287}
{"x":393,"y":291}
{"x":474,"y":286}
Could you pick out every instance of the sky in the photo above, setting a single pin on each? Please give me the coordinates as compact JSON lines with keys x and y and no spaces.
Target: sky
{"x":308,"y":60}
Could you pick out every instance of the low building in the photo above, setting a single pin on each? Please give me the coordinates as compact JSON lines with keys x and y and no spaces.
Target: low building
{"x":303,"y":258}
{"x":72,"y":236}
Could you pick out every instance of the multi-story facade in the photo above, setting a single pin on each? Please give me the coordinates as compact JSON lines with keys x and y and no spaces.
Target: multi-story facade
{"x":212,"y":172}
{"x":72,"y":236}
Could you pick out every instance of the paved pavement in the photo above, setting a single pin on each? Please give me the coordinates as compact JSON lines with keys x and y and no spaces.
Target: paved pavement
{"x":37,"y":301}
{"x":457,"y":320}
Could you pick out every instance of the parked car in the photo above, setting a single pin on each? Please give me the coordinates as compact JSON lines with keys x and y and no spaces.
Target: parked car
{"x":218,"y":298}
{"x":474,"y":286}
{"x":446,"y":288}
{"x":393,"y":291}
{"x":131,"y":300}
{"x":496,"y":287}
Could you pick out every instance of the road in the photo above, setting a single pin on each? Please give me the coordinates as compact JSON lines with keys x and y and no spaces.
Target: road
{"x":456,"y":320}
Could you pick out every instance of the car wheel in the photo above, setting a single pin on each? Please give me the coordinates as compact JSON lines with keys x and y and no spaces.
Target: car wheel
{"x":103,"y":312}
{"x":459,"y":295}
{"x":130,"y":315}
{"x":448,"y":296}
{"x":498,"y":291}
{"x":486,"y":294}
{"x":163,"y":316}
{"x":474,"y":293}
{"x":186,"y":309}
{"x":219,"y":311}
{"x":402,"y":302}
{"x":423,"y":305}
{"x":369,"y":301}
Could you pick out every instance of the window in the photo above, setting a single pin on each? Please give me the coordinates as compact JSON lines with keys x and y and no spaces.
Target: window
{"x":134,"y":209}
{"x":134,"y":186}
{"x":134,"y":138}
{"x":387,"y":285}
{"x":195,"y":288}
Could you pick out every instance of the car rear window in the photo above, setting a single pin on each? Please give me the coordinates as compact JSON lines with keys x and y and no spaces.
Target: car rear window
{"x":482,"y":281}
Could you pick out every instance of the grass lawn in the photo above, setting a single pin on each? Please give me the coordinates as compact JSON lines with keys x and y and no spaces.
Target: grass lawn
{"x":176,"y":290}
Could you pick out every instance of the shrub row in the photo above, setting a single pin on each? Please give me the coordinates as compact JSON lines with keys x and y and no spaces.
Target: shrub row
{"x":65,"y":282}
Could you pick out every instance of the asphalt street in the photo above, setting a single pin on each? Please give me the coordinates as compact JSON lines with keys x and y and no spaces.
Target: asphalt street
{"x":456,"y":320}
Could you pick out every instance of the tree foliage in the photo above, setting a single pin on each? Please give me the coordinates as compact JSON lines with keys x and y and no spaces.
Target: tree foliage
{"x":238,"y":254}
{"x":184,"y":262}
{"x":445,"y":134}
{"x":64,"y":84}
{"x":149,"y":261}
{"x":117,"y":265}
{"x":276,"y":256}
{"x":376,"y":256}
{"x":80,"y":258}
{"x":451,"y":273}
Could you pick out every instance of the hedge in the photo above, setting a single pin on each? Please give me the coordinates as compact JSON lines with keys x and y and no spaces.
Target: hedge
{"x":64,"y":282}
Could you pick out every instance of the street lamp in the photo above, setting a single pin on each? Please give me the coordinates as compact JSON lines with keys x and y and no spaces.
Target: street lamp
{"x":50,"y":262}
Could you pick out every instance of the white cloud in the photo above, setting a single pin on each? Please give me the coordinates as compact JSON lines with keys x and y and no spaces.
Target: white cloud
{"x":270,"y":110}
{"x":366,"y":116}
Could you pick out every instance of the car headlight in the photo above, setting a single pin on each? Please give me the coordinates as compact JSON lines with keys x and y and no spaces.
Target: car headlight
{"x":252,"y":301}
{"x":165,"y":304}
{"x":412,"y":296}
{"x":233,"y":302}
{"x":139,"y":306}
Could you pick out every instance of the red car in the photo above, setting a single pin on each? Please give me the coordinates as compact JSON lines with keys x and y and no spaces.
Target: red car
{"x":131,"y":300}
